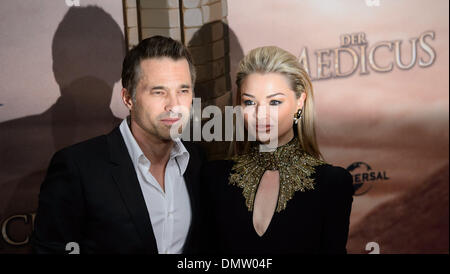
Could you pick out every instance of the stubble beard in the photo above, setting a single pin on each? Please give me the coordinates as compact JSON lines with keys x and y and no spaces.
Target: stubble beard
{"x":161,"y":132}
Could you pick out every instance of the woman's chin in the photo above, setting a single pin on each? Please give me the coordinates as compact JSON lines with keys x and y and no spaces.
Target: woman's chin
{"x":266,"y":138}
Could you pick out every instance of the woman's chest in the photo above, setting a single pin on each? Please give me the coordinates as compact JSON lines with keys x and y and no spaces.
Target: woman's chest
{"x":295,"y":229}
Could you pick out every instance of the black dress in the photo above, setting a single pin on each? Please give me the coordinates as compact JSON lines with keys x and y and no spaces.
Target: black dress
{"x":314,"y":221}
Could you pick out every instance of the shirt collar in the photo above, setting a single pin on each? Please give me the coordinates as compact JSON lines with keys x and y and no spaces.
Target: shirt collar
{"x":179,"y":152}
{"x":181,"y":155}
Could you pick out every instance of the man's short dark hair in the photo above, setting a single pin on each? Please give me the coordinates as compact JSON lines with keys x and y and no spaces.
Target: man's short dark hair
{"x":153,"y":47}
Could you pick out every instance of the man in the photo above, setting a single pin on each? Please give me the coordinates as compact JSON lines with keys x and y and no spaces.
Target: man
{"x":134,"y":190}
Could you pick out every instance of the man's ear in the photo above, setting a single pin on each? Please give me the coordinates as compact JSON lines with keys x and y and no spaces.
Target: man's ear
{"x":127,"y":99}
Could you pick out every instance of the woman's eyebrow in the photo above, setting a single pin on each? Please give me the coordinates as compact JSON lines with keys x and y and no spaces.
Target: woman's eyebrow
{"x":275,"y":94}
{"x":268,"y":96}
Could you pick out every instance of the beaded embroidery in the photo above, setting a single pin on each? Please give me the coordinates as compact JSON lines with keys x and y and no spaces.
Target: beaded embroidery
{"x":295,"y":168}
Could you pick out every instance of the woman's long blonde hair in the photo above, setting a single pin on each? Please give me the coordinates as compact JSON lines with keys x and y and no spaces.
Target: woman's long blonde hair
{"x":274,"y":59}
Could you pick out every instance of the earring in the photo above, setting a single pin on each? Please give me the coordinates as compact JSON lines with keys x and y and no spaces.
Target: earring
{"x":297,"y":115}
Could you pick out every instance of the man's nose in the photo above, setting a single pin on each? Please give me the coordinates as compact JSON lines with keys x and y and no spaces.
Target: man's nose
{"x":171,"y":102}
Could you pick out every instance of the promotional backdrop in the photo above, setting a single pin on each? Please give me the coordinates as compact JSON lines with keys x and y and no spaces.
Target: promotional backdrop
{"x":381,"y":87}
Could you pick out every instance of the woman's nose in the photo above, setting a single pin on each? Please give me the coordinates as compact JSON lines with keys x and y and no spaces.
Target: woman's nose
{"x":264,"y":112}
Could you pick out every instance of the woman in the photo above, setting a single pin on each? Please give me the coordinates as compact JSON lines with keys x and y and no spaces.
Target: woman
{"x":287,"y":200}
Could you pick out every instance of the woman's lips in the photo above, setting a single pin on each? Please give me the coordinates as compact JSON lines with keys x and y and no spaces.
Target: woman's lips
{"x":263,"y":127}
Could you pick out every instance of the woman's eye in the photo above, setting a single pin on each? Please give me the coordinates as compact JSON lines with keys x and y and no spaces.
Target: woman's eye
{"x":275,"y":102}
{"x":249,"y":102}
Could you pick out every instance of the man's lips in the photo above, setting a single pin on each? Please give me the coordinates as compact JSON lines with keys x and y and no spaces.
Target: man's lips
{"x":170,"y":121}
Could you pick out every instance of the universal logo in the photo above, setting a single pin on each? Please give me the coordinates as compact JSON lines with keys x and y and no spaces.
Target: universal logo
{"x":364,"y":177}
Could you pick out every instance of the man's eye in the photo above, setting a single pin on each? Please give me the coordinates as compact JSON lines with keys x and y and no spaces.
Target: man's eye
{"x":185,"y":91}
{"x":275,"y":102}
{"x":249,"y":102}
{"x":157,"y":92}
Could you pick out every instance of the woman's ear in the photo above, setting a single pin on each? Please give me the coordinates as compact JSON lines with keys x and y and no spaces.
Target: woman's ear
{"x":301,"y":100}
{"x":127,"y":99}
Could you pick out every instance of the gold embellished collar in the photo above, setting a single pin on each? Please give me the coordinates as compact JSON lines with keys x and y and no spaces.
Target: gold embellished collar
{"x":294,"y":165}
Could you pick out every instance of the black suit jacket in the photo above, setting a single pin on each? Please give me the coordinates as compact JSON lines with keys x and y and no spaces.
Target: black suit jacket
{"x":91,"y":196}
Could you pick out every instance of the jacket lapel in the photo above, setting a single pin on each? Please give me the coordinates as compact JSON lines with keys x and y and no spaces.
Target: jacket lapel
{"x":190,"y":179}
{"x":125,"y":177}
